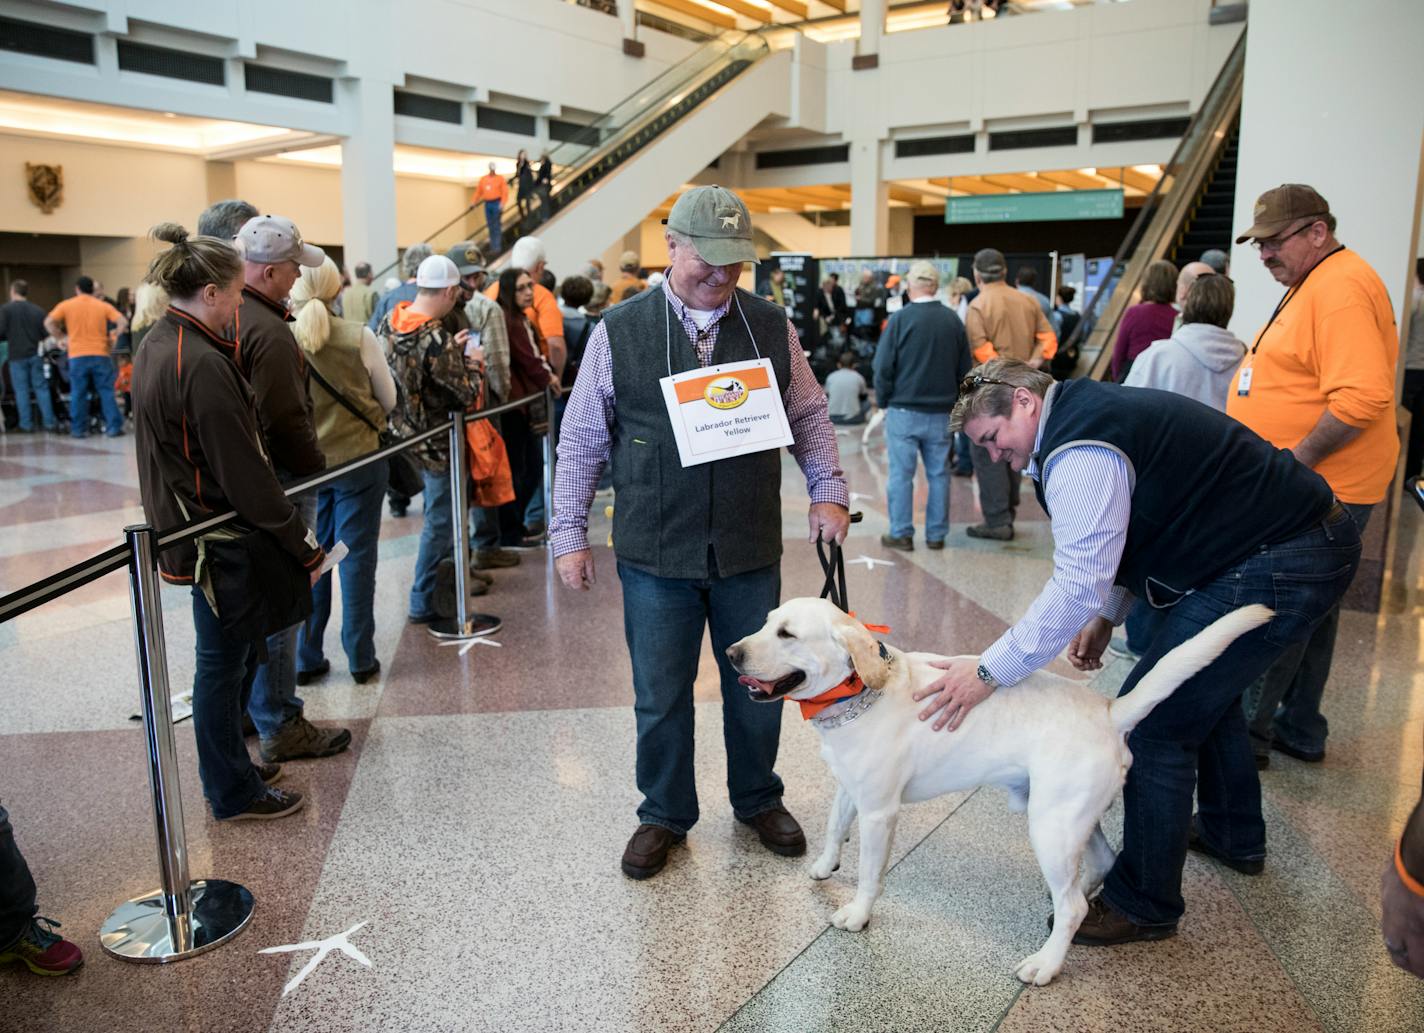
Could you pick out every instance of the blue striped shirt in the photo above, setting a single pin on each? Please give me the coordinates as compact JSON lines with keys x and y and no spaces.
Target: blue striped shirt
{"x":1089,"y":501}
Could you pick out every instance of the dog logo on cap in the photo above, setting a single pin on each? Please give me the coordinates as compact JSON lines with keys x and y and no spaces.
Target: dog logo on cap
{"x":733,"y":221}
{"x":725,"y":393}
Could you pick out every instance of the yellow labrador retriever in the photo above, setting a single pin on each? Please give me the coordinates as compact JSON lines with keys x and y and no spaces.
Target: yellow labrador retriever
{"x":1058,"y":747}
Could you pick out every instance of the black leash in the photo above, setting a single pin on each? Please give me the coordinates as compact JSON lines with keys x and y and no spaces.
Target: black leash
{"x":833,"y":566}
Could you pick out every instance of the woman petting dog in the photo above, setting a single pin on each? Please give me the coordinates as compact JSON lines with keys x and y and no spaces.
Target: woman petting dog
{"x":1154,"y":496}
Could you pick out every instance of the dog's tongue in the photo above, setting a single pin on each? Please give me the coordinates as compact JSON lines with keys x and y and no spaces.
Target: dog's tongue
{"x":747,"y":679}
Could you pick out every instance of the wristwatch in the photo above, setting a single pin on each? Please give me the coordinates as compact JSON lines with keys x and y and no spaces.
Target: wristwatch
{"x":987,"y":678}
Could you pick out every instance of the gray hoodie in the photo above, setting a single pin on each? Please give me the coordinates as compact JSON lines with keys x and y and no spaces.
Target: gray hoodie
{"x":1198,"y":361}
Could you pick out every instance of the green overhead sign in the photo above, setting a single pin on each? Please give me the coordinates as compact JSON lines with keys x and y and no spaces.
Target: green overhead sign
{"x":1048,"y":206}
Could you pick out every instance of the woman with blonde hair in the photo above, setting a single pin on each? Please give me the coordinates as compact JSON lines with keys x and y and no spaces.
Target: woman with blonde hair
{"x":352,"y":391}
{"x":150,"y":302}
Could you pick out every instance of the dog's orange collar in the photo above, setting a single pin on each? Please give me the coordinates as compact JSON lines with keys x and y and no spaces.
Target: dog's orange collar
{"x":852,"y":686}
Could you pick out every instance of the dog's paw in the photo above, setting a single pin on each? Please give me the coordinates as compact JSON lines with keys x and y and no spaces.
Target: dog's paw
{"x":822,"y":867}
{"x":1037,"y":970}
{"x":852,"y":918}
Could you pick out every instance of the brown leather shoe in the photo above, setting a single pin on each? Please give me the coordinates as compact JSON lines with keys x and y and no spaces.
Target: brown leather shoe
{"x":646,"y":853}
{"x":778,"y":831}
{"x":1104,"y":927}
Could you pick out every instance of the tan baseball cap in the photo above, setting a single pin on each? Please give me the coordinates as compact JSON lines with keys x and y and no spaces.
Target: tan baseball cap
{"x":269,"y":239}
{"x":923,"y":272}
{"x":1278,"y":208}
{"x":717,"y":222}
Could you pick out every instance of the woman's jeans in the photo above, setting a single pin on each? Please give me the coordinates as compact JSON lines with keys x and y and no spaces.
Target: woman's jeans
{"x":222,"y":683}
{"x":27,"y":376}
{"x":1197,"y":736}
{"x":348,"y":510}
{"x":665,"y":620}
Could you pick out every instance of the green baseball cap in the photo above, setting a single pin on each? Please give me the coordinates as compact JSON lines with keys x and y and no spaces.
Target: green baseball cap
{"x":717,"y":222}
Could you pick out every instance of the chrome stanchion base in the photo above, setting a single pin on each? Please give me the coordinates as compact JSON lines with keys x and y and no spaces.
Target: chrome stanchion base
{"x":476,"y":624}
{"x":139,"y":929}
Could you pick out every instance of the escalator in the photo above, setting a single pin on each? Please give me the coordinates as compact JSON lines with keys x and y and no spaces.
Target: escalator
{"x":599,"y":152}
{"x":1189,"y":212}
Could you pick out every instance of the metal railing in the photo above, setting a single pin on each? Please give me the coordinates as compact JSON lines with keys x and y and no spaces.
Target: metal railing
{"x":1154,"y":231}
{"x":185,"y":917}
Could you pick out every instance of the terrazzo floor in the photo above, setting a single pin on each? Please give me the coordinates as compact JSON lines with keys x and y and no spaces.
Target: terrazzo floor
{"x":475,"y":824}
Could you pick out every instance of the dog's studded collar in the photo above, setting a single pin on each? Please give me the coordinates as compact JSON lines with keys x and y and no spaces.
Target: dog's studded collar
{"x":845,"y":712}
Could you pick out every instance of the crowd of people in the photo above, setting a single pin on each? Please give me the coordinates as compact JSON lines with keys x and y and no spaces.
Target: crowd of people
{"x":1214,"y":475}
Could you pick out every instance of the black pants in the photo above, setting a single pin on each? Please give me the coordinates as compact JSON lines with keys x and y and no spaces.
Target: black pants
{"x":526,"y":467}
{"x":17,"y":887}
{"x":1413,"y":400}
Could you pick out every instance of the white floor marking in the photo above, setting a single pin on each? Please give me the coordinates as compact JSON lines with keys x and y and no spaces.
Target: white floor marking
{"x":322,"y":948}
{"x":871,"y":564}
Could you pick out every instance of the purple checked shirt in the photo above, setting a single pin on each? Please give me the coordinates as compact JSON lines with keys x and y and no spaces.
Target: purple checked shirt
{"x":586,"y":432}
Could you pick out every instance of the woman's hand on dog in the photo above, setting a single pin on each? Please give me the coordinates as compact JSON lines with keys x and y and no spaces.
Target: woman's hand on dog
{"x":1085,"y":652}
{"x":957,"y":693}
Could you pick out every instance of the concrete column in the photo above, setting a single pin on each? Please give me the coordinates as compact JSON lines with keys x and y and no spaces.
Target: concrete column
{"x":368,"y":179}
{"x":869,"y":200}
{"x":872,"y":29}
{"x":1317,"y":131}
{"x":628,"y":15}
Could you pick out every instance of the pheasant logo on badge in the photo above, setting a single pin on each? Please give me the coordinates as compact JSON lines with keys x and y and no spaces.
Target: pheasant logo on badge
{"x":725,"y":393}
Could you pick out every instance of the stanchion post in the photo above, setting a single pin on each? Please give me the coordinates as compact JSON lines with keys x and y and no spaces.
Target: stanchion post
{"x":550,"y":441}
{"x":181,"y":918}
{"x":464,"y":624}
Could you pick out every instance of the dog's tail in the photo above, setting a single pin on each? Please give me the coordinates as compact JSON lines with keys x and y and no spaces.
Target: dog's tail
{"x":1183,"y":662}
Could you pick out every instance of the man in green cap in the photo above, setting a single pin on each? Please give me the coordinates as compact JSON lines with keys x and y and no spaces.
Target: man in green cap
{"x":696,"y":545}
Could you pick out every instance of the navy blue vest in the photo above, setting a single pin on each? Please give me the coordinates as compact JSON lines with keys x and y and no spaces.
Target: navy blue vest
{"x":1207,"y":491}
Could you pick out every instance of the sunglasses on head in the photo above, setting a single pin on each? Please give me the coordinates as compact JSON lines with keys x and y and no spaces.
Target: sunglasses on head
{"x":976,"y":380}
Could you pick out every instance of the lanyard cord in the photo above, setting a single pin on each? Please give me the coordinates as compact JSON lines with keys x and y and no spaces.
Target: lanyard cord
{"x":1289,"y":296}
{"x":667,"y":327}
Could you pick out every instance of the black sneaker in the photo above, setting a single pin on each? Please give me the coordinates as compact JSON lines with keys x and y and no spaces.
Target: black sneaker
{"x":271,"y":773}
{"x":362,"y":677}
{"x":274,"y":803}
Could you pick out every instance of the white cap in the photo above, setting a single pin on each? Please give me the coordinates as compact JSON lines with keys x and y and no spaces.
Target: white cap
{"x":269,"y":239}
{"x":437,"y":271}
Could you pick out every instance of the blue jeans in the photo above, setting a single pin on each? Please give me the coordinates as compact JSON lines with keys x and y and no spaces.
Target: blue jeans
{"x":664,"y":619}
{"x":1142,"y":624}
{"x":17,"y":887}
{"x":27,"y":375}
{"x":1284,"y":704}
{"x":96,"y":373}
{"x":348,"y":510}
{"x":852,"y":421}
{"x":274,"y":699}
{"x":222,"y":683}
{"x":492,"y":221}
{"x":910,"y":436}
{"x":437,"y":542}
{"x":1197,"y":736}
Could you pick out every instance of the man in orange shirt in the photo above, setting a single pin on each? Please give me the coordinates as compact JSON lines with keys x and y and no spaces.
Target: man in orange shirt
{"x":84,"y":320}
{"x":1002,"y":322}
{"x":1318,"y":380}
{"x":493,"y":191}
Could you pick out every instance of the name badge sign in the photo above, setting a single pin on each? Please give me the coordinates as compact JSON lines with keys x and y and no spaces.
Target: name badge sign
{"x":723,"y":411}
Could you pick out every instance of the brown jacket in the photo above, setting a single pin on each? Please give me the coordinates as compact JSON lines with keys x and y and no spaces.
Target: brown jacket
{"x":270,"y":359}
{"x":1006,"y":323}
{"x":197,"y":439}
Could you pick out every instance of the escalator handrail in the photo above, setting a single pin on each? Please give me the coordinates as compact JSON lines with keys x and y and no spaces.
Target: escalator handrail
{"x":656,"y":97}
{"x":1162,"y":214}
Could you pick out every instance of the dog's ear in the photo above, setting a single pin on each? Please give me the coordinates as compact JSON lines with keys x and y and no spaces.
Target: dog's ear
{"x":866,"y":654}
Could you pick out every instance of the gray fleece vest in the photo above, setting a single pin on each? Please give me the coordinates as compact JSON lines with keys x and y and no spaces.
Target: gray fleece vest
{"x":717,"y":519}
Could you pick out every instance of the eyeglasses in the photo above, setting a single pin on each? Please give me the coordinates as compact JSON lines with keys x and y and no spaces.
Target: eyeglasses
{"x":976,"y":380}
{"x":1275,"y":244}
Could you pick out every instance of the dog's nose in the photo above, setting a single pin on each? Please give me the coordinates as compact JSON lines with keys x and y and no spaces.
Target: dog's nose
{"x":736,"y":653}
